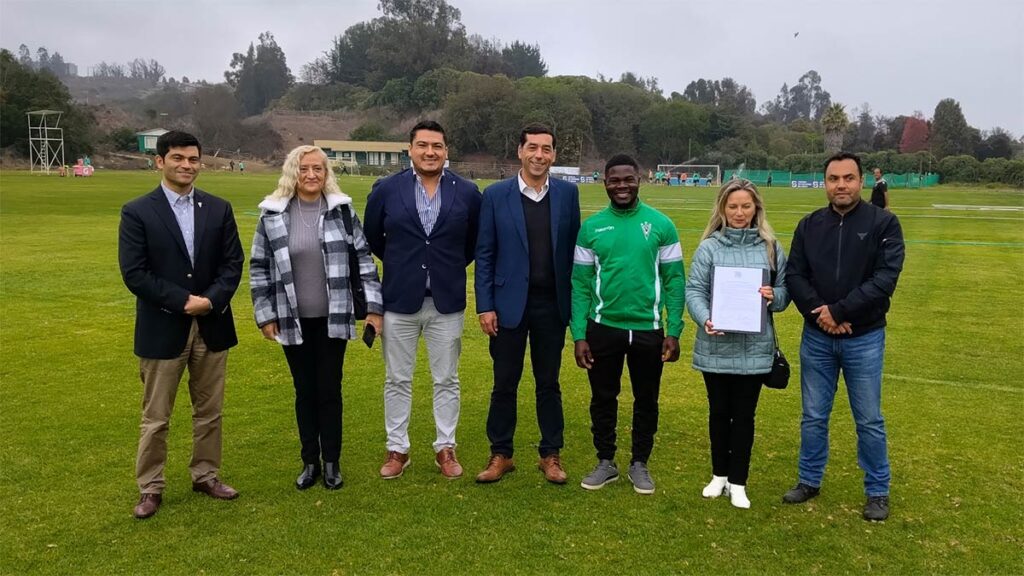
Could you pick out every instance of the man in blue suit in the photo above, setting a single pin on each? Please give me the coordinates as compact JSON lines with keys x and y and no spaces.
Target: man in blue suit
{"x":422,"y":223}
{"x":528,"y":227}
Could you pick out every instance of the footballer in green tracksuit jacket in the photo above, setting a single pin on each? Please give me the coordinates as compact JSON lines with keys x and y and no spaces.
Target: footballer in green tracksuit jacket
{"x":628,"y":295}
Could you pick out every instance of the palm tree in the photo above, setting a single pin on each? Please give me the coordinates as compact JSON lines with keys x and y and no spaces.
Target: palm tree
{"x":834,"y":122}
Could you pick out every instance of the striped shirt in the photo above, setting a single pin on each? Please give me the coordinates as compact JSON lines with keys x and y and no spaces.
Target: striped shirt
{"x":185,"y":215}
{"x":428,"y":208}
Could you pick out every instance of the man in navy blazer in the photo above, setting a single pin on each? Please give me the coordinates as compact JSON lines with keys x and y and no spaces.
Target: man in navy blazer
{"x":524,"y":255}
{"x":179,"y":254}
{"x":422,"y":223}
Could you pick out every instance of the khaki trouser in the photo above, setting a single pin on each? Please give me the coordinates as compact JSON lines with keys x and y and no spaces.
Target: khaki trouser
{"x":160,"y":380}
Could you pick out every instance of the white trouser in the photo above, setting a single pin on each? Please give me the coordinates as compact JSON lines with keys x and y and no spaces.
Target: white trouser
{"x":400,"y":337}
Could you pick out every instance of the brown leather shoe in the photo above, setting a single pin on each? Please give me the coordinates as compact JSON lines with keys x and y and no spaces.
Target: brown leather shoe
{"x":448,"y":463}
{"x":497,"y":466}
{"x":147,"y":506}
{"x":214,"y":488}
{"x":551,"y":465}
{"x":395,"y":464}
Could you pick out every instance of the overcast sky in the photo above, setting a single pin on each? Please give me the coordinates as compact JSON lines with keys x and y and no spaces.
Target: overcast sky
{"x":897,"y":55}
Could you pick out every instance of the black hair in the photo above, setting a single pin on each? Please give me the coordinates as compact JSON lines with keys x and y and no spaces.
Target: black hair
{"x":621,"y":160}
{"x":427,"y":125}
{"x":840,"y":156}
{"x":176,"y":139}
{"x":537,"y":128}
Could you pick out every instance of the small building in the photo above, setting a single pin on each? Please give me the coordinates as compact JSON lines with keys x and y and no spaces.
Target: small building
{"x":147,"y":139}
{"x":366,"y":153}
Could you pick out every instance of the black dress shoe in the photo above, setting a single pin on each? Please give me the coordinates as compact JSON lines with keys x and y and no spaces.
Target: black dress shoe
{"x":310,"y":472}
{"x":800,"y":493}
{"x":332,"y":476}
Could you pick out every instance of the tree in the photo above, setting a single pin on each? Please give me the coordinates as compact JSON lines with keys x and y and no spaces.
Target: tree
{"x":139,"y":69}
{"x":522,"y":60}
{"x":122,"y":139}
{"x":805,"y":100}
{"x":915,"y":135}
{"x":728,"y":95}
{"x":431,"y":89}
{"x":997,"y":144}
{"x":113,"y":70}
{"x":672,"y":131}
{"x":259,"y":76}
{"x":616,"y":110}
{"x":24,"y":56}
{"x":57,"y":65}
{"x":483,"y":56}
{"x":396,"y":94}
{"x":950,"y":134}
{"x":834,"y":123}
{"x":478,"y":116}
{"x":23,"y":89}
{"x":368,"y":132}
{"x":556,"y":103}
{"x":431,"y":34}
{"x":888,"y":132}
{"x":42,"y":58}
{"x":863,"y":131}
{"x":648,"y":84}
{"x":348,"y":60}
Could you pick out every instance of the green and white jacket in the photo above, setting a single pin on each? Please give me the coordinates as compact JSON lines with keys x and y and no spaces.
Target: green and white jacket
{"x":628,"y":272}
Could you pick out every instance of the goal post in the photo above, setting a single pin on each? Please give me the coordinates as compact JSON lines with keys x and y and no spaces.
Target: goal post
{"x":690,"y":174}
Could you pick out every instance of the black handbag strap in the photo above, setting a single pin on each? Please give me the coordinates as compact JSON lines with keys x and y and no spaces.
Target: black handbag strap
{"x":353,"y":257}
{"x":346,"y":218}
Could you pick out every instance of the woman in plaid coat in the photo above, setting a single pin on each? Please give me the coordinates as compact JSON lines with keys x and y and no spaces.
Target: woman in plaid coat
{"x":299,"y":277}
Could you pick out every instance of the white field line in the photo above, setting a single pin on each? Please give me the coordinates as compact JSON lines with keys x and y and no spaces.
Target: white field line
{"x":707,"y":209}
{"x":976,"y":207}
{"x":971,"y":385}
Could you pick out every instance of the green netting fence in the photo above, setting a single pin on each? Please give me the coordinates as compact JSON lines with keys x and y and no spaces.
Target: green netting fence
{"x":786,"y":179}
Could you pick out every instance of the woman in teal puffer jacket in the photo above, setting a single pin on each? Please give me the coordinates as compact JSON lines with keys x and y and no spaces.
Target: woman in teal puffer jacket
{"x":734,"y":364}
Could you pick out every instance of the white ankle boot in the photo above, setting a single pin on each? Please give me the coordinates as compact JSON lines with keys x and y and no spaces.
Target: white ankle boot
{"x":738,"y":496}
{"x":716,"y":487}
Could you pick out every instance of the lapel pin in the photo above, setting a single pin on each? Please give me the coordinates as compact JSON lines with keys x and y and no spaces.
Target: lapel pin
{"x":200,"y":204}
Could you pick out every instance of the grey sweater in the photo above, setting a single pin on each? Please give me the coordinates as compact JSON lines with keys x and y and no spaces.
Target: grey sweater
{"x":307,"y":257}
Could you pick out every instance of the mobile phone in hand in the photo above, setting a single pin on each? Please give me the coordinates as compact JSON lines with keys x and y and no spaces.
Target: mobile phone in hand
{"x":369,"y":334}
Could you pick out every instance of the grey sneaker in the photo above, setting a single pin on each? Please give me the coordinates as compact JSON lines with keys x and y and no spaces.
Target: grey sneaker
{"x":641,"y":478}
{"x":800,"y":493}
{"x":603,"y":473}
{"x":877,"y":508}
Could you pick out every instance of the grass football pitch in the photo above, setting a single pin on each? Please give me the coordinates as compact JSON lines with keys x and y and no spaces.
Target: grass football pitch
{"x":953,"y":397}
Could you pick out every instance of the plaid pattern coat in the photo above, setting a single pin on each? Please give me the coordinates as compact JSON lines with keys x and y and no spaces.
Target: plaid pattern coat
{"x":270,"y":271}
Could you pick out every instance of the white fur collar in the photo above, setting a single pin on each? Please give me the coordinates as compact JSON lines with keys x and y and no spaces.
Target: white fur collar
{"x":272,"y":204}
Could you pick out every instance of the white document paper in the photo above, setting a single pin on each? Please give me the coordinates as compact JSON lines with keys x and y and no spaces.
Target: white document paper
{"x":736,"y":303}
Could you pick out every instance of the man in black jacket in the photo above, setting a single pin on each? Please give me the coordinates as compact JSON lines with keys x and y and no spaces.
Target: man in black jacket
{"x":843,"y":266}
{"x":180,"y":256}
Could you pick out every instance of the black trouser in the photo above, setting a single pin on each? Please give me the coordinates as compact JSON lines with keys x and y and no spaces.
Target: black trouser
{"x":641,"y":350}
{"x":316,"y":367}
{"x":543,"y":326}
{"x":732,"y":399}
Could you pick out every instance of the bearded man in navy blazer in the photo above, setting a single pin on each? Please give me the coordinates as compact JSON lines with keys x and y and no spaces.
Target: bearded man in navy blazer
{"x":524,"y":255}
{"x":422,"y":224}
{"x":179,"y":254}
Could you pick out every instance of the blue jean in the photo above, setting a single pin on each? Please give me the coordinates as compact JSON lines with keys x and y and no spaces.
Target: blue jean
{"x":860,"y":358}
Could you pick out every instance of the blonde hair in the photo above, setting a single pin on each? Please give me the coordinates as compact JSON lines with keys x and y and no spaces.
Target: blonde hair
{"x":760,"y":221}
{"x":289,"y":179}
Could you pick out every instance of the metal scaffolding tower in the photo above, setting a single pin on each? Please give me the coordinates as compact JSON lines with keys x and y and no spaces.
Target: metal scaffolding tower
{"x":45,"y":140}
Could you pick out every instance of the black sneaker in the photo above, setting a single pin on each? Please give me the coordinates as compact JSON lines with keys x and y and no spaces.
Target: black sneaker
{"x":877,"y":508}
{"x":800,"y":493}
